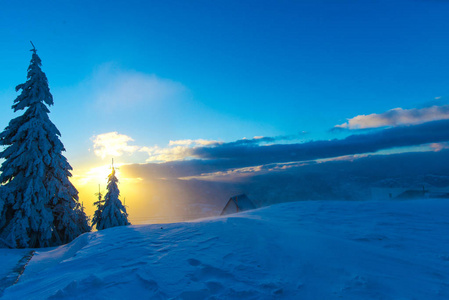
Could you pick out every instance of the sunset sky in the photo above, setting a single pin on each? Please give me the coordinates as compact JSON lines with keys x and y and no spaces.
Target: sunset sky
{"x":187,"y":92}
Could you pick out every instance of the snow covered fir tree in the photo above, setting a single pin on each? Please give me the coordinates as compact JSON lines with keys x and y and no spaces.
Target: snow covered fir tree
{"x":38,"y":204}
{"x":97,"y":215}
{"x":110,"y":212}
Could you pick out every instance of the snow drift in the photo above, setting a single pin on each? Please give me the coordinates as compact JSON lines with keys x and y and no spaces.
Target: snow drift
{"x":302,"y":250}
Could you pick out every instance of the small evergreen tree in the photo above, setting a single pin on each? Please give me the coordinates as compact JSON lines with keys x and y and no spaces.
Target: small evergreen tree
{"x":113,"y":212}
{"x":40,"y":204}
{"x":81,"y":218}
{"x":97,"y":215}
{"x":96,"y":220}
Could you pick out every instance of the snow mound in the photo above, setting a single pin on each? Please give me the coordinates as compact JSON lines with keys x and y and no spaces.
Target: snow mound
{"x":302,"y":250}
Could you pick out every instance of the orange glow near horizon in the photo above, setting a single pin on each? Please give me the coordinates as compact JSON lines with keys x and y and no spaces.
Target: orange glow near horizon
{"x":87,"y":181}
{"x":139,"y":207}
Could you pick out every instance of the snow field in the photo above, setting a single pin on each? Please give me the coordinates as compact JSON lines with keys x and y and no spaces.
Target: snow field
{"x":301,"y":250}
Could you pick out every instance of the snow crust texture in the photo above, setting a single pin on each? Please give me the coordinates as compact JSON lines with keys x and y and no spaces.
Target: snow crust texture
{"x":301,"y":250}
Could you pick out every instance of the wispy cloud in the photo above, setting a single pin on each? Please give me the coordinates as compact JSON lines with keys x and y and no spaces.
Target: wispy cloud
{"x":158,"y":154}
{"x":112,"y":144}
{"x":116,"y":89}
{"x":439,"y":146}
{"x":176,"y":150}
{"x":397,"y":117}
{"x":198,"y":142}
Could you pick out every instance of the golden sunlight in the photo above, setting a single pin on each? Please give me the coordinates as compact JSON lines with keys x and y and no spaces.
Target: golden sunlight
{"x":87,"y":181}
{"x":98,"y":174}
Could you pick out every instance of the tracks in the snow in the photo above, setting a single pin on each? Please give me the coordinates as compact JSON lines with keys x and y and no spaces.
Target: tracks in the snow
{"x":14,"y":276}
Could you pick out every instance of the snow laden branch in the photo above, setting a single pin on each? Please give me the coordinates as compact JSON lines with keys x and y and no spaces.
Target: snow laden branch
{"x":39,"y":206}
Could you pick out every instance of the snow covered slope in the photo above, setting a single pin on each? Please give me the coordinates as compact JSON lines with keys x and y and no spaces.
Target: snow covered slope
{"x":302,"y":250}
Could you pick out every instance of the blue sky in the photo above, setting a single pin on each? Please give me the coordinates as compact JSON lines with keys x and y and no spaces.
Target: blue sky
{"x":218,"y":71}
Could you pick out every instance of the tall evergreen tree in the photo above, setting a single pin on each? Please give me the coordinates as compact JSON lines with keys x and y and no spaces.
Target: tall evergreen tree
{"x":40,"y":206}
{"x":113,"y":213}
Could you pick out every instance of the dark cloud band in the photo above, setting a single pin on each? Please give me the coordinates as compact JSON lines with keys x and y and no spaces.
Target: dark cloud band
{"x":244,"y":154}
{"x":253,"y":154}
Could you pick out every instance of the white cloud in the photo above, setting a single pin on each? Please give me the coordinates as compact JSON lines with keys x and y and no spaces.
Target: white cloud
{"x":228,"y":175}
{"x":157,"y":154}
{"x":396,"y":117}
{"x":198,"y":142}
{"x":112,"y":144}
{"x":439,"y":146}
{"x":115,"y":89}
{"x":176,"y":150}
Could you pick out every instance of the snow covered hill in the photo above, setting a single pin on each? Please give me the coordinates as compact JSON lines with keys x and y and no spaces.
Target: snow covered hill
{"x":302,"y":250}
